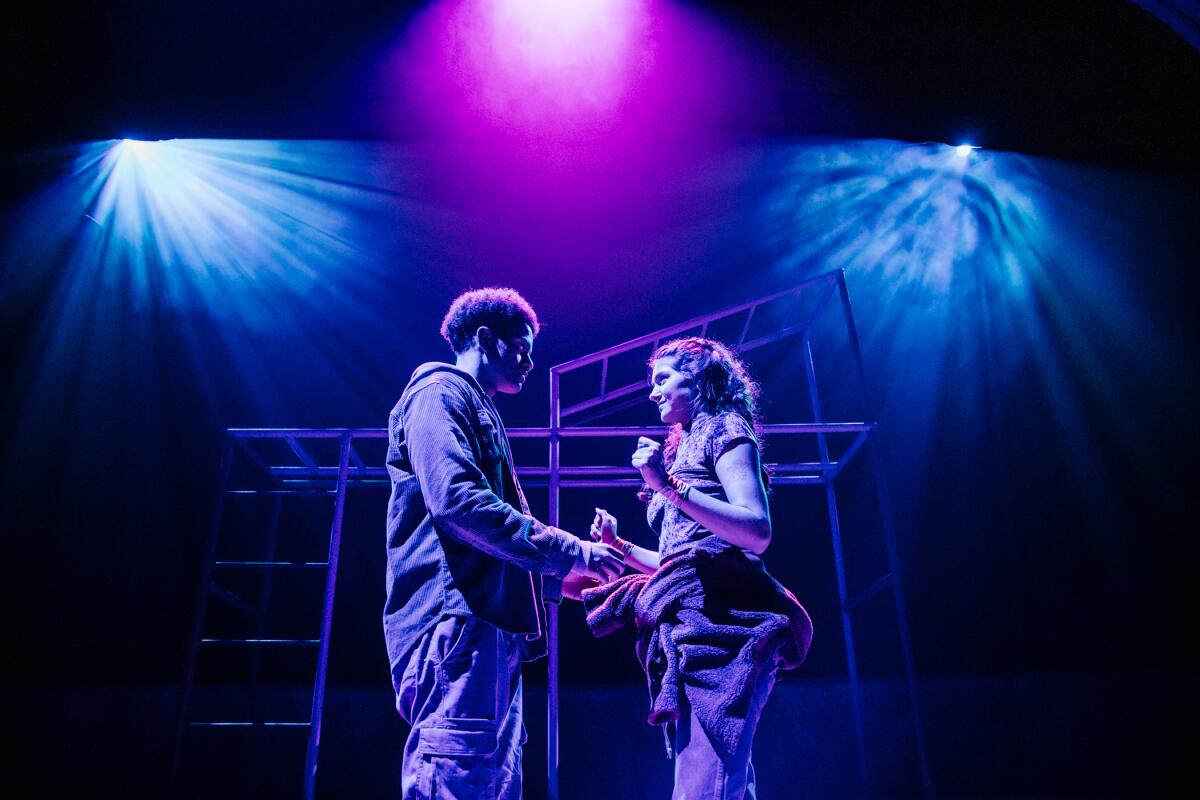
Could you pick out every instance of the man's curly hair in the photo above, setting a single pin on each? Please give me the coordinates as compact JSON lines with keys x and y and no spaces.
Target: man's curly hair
{"x":503,"y":310}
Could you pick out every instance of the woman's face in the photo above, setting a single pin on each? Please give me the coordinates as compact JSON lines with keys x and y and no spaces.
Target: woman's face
{"x":672,"y":391}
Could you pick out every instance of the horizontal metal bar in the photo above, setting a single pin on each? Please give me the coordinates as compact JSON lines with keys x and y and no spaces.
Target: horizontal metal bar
{"x":595,"y":432}
{"x":611,"y":483}
{"x":306,"y":433}
{"x":527,"y":433}
{"x":539,"y":481}
{"x":265,"y":564}
{"x":857,"y":599}
{"x":350,"y":471}
{"x":297,"y":491}
{"x":543,"y":472}
{"x":614,"y":483}
{"x":287,"y":642}
{"x":296,"y":478}
{"x":617,"y":471}
{"x":528,"y":473}
{"x":249,"y":724}
{"x":801,"y":466}
{"x":566,"y":432}
{"x":598,"y":484}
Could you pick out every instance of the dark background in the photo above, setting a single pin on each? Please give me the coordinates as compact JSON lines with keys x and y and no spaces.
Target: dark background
{"x":1037,"y":443}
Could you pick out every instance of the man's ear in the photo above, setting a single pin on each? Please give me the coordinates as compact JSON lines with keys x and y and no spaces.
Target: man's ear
{"x":485,"y":337}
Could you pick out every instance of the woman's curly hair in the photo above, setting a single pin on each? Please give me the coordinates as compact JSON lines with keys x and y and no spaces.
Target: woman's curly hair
{"x":722,"y":384}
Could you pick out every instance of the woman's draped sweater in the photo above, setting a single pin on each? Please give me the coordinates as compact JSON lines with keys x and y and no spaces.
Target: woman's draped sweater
{"x":709,"y":622}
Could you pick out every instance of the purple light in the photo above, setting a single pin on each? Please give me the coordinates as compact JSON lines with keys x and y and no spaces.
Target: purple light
{"x":551,"y":34}
{"x":561,"y":77}
{"x":525,"y":62}
{"x":538,"y":112}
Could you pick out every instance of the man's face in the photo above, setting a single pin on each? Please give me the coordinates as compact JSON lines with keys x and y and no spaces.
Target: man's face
{"x":511,"y":360}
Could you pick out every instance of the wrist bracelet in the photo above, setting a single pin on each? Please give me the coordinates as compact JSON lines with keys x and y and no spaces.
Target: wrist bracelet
{"x":676,"y":497}
{"x":680,"y":488}
{"x":625,"y":547}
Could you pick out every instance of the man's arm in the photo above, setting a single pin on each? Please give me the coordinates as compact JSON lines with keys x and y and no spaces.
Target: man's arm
{"x":437,"y":432}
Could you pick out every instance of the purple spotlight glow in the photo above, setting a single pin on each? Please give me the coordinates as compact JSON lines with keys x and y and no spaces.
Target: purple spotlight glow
{"x":527,"y":58}
{"x":540,"y":112}
{"x":556,"y":35}
{"x":530,"y":64}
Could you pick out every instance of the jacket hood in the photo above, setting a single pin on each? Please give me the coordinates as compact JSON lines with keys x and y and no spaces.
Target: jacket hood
{"x":430,"y":367}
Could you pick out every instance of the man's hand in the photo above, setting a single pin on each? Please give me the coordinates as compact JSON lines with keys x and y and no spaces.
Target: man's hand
{"x":597,"y":561}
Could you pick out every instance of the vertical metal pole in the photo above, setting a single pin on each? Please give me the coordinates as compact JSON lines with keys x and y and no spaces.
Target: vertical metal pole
{"x":335,"y":543}
{"x":835,"y":531}
{"x":889,"y":535}
{"x":210,"y":553}
{"x":552,"y":610}
{"x":815,"y":399}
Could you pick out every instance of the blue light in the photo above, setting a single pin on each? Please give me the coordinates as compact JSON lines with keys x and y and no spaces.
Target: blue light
{"x":233,"y":242}
{"x":964,"y":150}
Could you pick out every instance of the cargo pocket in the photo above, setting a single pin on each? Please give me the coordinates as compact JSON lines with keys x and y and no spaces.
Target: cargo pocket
{"x":459,"y":758}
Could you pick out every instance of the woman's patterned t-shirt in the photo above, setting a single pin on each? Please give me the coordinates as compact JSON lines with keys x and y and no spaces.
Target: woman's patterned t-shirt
{"x":696,"y":464}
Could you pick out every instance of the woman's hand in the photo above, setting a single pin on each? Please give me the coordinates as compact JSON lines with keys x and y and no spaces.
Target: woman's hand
{"x":604,"y":527}
{"x":604,"y":531}
{"x":649,"y":461}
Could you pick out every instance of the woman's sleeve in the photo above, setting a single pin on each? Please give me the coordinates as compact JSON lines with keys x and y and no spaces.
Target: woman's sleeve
{"x":729,"y":429}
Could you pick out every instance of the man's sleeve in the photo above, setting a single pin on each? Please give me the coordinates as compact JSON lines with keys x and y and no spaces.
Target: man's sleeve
{"x":437,"y":430}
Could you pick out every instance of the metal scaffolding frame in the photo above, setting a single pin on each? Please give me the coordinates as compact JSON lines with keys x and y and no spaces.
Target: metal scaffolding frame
{"x":303,"y":474}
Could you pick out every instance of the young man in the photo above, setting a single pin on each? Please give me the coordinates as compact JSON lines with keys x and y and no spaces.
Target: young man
{"x":466,"y":561}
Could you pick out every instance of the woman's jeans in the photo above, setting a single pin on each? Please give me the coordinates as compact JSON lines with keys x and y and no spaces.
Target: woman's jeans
{"x":700,"y":772}
{"x":461,"y":693}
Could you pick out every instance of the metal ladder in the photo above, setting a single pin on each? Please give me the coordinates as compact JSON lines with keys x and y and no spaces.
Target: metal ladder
{"x":301,"y":476}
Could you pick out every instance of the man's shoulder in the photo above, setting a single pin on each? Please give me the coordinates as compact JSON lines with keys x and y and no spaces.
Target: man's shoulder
{"x":446,"y":377}
{"x":450,"y":385}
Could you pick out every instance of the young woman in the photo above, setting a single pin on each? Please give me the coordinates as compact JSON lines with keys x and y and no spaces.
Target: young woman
{"x":713,"y":626}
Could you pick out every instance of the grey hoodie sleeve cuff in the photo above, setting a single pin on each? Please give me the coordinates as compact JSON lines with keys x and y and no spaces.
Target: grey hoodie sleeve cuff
{"x":563,"y":555}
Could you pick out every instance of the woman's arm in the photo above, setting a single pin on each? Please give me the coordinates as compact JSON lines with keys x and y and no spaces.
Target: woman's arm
{"x":744,"y":520}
